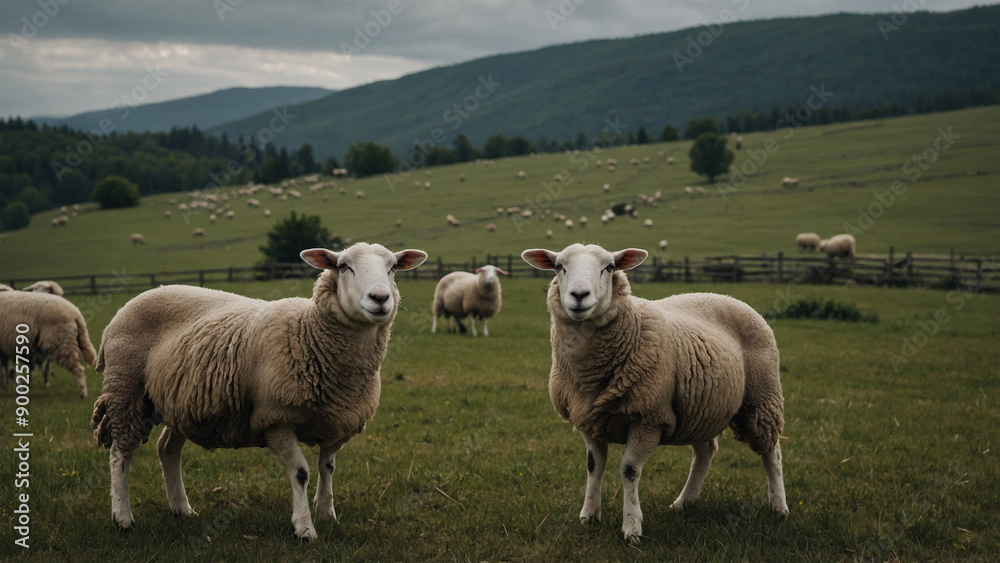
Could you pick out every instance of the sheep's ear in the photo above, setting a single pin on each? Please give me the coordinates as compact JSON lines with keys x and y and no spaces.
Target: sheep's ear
{"x":320,"y":258}
{"x":629,"y":258}
{"x":409,"y":259}
{"x":477,"y":270}
{"x":504,"y":272}
{"x":540,"y":258}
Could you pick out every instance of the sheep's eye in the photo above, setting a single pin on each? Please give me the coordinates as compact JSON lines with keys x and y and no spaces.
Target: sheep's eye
{"x":609,"y":268}
{"x":344,"y":268}
{"x":559,"y":268}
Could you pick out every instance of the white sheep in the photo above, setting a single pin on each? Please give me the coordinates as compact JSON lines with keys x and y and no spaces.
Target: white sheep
{"x":45,"y":286}
{"x":648,"y":223}
{"x":227,"y":371}
{"x":267,"y":213}
{"x":198,"y":232}
{"x":55,"y":331}
{"x":137,"y":238}
{"x":167,"y":214}
{"x":491,"y":227}
{"x":838,"y":245}
{"x":644,"y":373}
{"x":463,"y":294}
{"x":807,"y":241}
{"x":663,"y":244}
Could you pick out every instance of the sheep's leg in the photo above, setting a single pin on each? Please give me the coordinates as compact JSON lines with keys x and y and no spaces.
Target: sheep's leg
{"x":434,"y":324}
{"x":324,"y":488}
{"x":45,"y":371}
{"x":486,"y":330}
{"x":121,"y":509}
{"x":641,"y":443}
{"x":472,"y":319}
{"x":169,"y":448}
{"x":775,"y":481}
{"x":701,"y":460}
{"x":597,"y":457}
{"x":285,"y":445}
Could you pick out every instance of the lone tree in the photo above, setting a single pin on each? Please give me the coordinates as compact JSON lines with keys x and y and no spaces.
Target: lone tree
{"x":709,"y":155}
{"x":701,"y":125}
{"x":290,"y":236}
{"x":368,"y":158}
{"x":668,"y":134}
{"x":114,"y":191}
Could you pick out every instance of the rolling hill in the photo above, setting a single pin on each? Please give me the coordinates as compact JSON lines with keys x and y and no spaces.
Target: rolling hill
{"x":205,"y":111}
{"x":653,"y":80}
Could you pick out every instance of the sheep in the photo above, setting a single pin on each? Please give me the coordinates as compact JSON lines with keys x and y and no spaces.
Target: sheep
{"x":521,"y":175}
{"x":606,"y":188}
{"x":198,"y":232}
{"x":838,"y":245}
{"x":548,"y":233}
{"x":787,"y":182}
{"x":663,"y":244}
{"x":137,"y":238}
{"x":212,"y":218}
{"x":807,"y":241}
{"x":671,"y":160}
{"x":230,"y":214}
{"x":167,"y":214}
{"x":461,"y":294}
{"x":223,"y":370}
{"x":643,"y":373}
{"x":461,"y":177}
{"x":491,"y":227}
{"x":60,"y":221}
{"x":569,"y":224}
{"x":267,"y":213}
{"x":360,"y":194}
{"x":583,"y":221}
{"x":648,"y":223}
{"x":56,"y":331}
{"x":5,"y":287}
{"x":45,"y":286}
{"x":399,"y":223}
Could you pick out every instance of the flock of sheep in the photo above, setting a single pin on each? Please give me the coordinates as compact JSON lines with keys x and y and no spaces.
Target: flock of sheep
{"x":223,"y":370}
{"x":842,"y":245}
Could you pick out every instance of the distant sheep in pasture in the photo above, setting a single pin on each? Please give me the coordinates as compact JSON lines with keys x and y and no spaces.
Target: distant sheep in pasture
{"x":137,"y":238}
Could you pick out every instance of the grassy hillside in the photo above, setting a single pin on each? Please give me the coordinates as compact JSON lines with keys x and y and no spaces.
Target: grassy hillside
{"x":952,"y":205}
{"x":207,"y":110}
{"x":647,"y":81}
{"x":466,"y":458}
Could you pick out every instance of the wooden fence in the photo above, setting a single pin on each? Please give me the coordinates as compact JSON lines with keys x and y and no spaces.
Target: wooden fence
{"x":907,"y":270}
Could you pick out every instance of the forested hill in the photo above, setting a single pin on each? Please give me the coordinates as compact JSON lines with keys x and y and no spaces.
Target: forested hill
{"x":203,"y":111}
{"x":653,"y":80}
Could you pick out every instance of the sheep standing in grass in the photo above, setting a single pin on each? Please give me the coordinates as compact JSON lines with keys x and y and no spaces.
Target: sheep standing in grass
{"x":807,"y":241}
{"x":645,"y":373}
{"x":137,"y":238}
{"x":838,"y":246}
{"x":227,"y":371}
{"x":461,"y":294}
{"x":56,"y":332}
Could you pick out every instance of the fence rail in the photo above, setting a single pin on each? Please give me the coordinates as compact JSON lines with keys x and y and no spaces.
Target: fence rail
{"x":908,"y":270}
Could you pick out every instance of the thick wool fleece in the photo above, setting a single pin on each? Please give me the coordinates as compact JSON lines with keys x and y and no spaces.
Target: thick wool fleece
{"x":221,"y":369}
{"x":689,"y":364}
{"x":459,"y":294}
{"x":56,"y":332}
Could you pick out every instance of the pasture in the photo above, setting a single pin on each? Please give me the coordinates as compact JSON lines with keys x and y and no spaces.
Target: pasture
{"x":890,"y":441}
{"x":948,"y":200}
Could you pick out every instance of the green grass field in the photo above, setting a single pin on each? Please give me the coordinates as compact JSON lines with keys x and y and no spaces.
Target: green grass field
{"x":466,"y":458}
{"x":953,"y":205}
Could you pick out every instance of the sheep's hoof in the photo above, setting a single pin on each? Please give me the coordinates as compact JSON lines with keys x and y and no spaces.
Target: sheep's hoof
{"x":124,"y":526}
{"x":679,"y":505}
{"x":633,"y":540}
{"x":780,"y":511}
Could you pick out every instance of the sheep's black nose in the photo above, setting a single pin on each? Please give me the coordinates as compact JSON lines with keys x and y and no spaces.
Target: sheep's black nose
{"x":579,"y":296}
{"x":379,"y":297}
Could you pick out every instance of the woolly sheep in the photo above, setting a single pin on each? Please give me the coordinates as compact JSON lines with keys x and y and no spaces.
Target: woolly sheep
{"x":839,"y":245}
{"x":663,"y":244}
{"x":5,"y":287}
{"x":569,"y":224}
{"x":198,"y":232}
{"x":212,"y":218}
{"x":644,"y":373}
{"x":45,"y":286}
{"x":56,"y":332}
{"x":137,"y":238}
{"x":359,"y":194}
{"x":491,"y":227}
{"x":648,"y":223}
{"x":462,"y":294}
{"x":223,"y":370}
{"x":167,"y":214}
{"x":807,"y":241}
{"x":267,"y":213}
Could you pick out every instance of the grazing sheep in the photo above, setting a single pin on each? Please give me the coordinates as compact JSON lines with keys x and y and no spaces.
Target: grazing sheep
{"x":56,"y":332}
{"x":839,"y":245}
{"x":548,"y":233}
{"x":461,"y":294}
{"x":491,"y":227}
{"x":569,"y":224}
{"x":500,"y":211}
{"x":60,"y":221}
{"x":807,"y":241}
{"x":76,"y":207}
{"x":399,"y":223}
{"x":688,"y":190}
{"x":461,"y":177}
{"x":521,"y":175}
{"x":212,"y":218}
{"x":230,"y":214}
{"x":787,"y":182}
{"x":227,"y":371}
{"x":671,"y":160}
{"x":45,"y":286}
{"x":663,"y":244}
{"x":198,"y":232}
{"x":360,"y":194}
{"x":648,"y":223}
{"x":267,"y":213}
{"x":137,"y":238}
{"x":167,"y":214}
{"x":645,"y":373}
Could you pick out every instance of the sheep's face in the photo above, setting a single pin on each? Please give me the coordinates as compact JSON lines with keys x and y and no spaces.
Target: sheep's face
{"x":488,"y":275}
{"x":585,"y":275}
{"x":366,"y":285}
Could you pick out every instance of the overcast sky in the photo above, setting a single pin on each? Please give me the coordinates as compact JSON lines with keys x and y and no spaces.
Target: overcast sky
{"x":62,"y":57}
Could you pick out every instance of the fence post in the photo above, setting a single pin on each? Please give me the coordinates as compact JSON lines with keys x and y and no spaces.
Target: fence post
{"x":891,"y":266}
{"x":510,"y":265}
{"x":781,"y":267}
{"x":201,"y":278}
{"x":230,"y":274}
{"x":152,"y":280}
{"x":909,"y":267}
{"x":473,"y":263}
{"x":440,"y":267}
{"x":93,"y":285}
{"x":687,"y":270}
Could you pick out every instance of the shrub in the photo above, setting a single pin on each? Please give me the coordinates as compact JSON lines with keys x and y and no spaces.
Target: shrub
{"x":114,"y":192}
{"x":15,"y":216}
{"x":290,"y":236}
{"x":822,"y":309}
